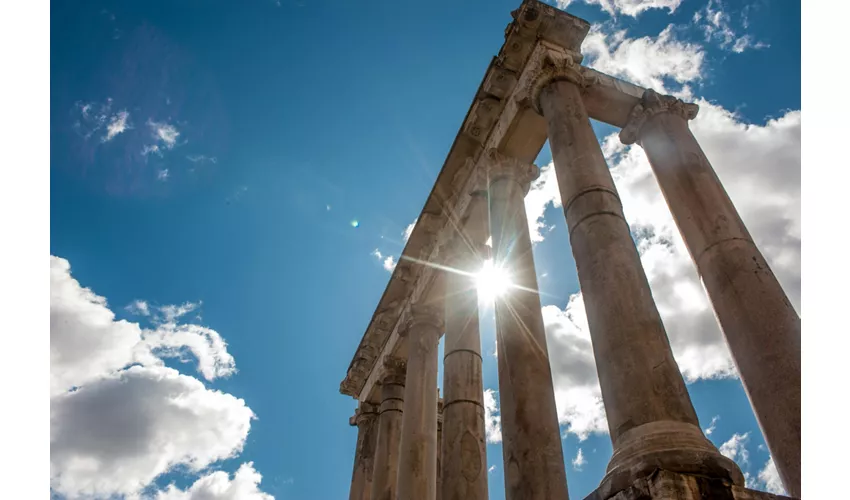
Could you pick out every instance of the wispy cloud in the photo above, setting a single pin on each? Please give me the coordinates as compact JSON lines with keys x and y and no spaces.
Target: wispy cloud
{"x":388,"y":261}
{"x":202,"y":159}
{"x":492,"y":419}
{"x":117,"y":124}
{"x":164,"y":132}
{"x":712,"y":426}
{"x":579,"y":460}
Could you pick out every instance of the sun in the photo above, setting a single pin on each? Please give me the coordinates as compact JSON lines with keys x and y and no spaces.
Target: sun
{"x":491,"y":281}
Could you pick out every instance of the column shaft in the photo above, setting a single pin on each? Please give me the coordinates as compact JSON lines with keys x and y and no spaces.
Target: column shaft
{"x":390,"y":413}
{"x":464,"y":463}
{"x":531,"y":440}
{"x":651,"y":420}
{"x":417,"y":472}
{"x":367,"y":433}
{"x":760,"y":324}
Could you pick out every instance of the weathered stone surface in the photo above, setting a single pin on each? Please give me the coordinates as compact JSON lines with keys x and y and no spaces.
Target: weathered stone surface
{"x":666,"y":485}
{"x":365,"y":418}
{"x":417,"y":470}
{"x":464,"y":461}
{"x":650,"y":416}
{"x":531,"y":441}
{"x":760,"y":324}
{"x":390,"y":412}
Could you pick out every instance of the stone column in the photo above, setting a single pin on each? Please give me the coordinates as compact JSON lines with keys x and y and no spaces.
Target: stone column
{"x":651,"y":420}
{"x":417,"y":471}
{"x":531,"y":439}
{"x":390,"y":414}
{"x":361,"y":478}
{"x":439,"y":448}
{"x":760,"y":324}
{"x":464,"y":464}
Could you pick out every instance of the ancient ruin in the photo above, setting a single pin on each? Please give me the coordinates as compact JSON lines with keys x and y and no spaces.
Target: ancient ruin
{"x":413,"y":445}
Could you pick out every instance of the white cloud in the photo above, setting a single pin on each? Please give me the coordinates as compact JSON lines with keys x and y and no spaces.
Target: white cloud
{"x":578,"y":397}
{"x":387,"y":261}
{"x":542,"y":193}
{"x":491,"y":469}
{"x":164,"y":132}
{"x":769,"y":479}
{"x":119,"y":417}
{"x":118,"y":433}
{"x":712,"y":426}
{"x":202,"y":159}
{"x":219,"y":486}
{"x":492,"y":420}
{"x":162,"y":175}
{"x":735,"y":448}
{"x":645,"y":61}
{"x":716,"y":24}
{"x":409,"y":229}
{"x":139,"y":308}
{"x":628,"y":7}
{"x":117,"y":124}
{"x":579,"y":460}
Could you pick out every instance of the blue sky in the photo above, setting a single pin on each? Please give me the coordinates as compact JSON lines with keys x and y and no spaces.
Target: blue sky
{"x":210,"y":158}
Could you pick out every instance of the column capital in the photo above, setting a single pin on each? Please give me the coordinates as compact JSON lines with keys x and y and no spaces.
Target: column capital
{"x":651,"y":104}
{"x":363,"y":415}
{"x":394,"y":370}
{"x":430,"y":316}
{"x":500,"y":166}
{"x":556,"y":65}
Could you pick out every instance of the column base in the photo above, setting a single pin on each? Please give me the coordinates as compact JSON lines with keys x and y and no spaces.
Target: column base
{"x":667,"y":485}
{"x":677,"y":447}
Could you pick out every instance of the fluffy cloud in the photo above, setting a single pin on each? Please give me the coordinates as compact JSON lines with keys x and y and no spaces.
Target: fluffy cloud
{"x":492,"y":420}
{"x":579,"y":460}
{"x":627,"y":7}
{"x":712,"y":426}
{"x":717,"y":27}
{"x":409,"y":229}
{"x":117,"y":124}
{"x":646,"y":61}
{"x":769,"y":480}
{"x":578,"y":397}
{"x":219,"y":486}
{"x":542,"y":193}
{"x":119,"y":418}
{"x":735,"y":448}
{"x":164,"y":132}
{"x":94,"y":117}
{"x":388,"y":261}
{"x":759,"y":164}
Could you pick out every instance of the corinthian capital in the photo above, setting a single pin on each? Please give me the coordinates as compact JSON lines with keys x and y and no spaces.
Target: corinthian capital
{"x":651,"y":104}
{"x":501,"y":166}
{"x":556,"y":65}
{"x":427,"y":318}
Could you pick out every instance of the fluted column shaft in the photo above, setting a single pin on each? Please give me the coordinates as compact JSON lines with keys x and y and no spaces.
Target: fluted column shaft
{"x":531,"y":441}
{"x":760,"y":324}
{"x":651,"y":420}
{"x":464,"y":460}
{"x":367,"y":433}
{"x":390,"y":414}
{"x":417,"y":472}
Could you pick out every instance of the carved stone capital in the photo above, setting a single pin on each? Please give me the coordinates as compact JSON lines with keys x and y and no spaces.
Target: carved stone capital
{"x":394,"y":370}
{"x":651,"y":104}
{"x":428,"y":316}
{"x":556,"y":66}
{"x":364,"y":415}
{"x":500,"y":166}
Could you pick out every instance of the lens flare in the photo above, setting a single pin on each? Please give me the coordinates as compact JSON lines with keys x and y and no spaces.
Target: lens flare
{"x":491,"y":281}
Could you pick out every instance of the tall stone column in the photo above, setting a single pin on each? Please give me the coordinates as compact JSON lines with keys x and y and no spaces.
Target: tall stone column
{"x":464,"y":463}
{"x":651,"y":420}
{"x":417,"y":472}
{"x":361,"y":478}
{"x":531,"y":440}
{"x":439,"y":448}
{"x":390,"y":413}
{"x":760,"y":324}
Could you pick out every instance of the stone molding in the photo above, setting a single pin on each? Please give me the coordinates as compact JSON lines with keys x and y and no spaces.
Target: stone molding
{"x":500,"y":167}
{"x":651,"y":104}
